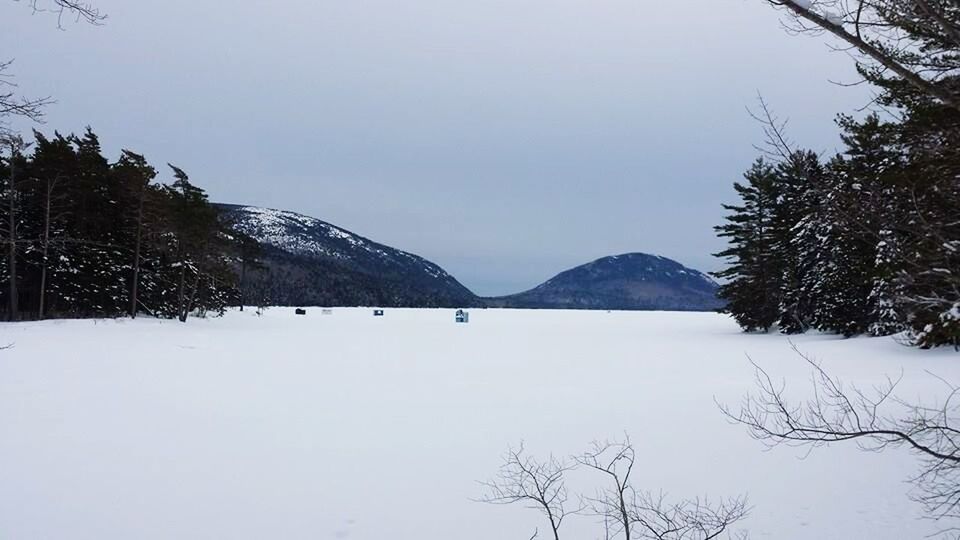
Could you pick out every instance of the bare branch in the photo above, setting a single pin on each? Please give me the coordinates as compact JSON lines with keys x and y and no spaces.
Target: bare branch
{"x":914,"y":40}
{"x":80,"y":11}
{"x":776,"y":145}
{"x":538,"y":485}
{"x":13,"y":105}
{"x":623,"y":511}
{"x":875,"y":420}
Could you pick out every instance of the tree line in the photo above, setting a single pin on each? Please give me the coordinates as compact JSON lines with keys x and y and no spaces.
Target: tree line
{"x":866,"y":241}
{"x":86,"y":237}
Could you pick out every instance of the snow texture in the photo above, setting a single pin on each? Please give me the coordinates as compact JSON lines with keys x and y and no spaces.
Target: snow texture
{"x":354,"y":427}
{"x":305,"y":235}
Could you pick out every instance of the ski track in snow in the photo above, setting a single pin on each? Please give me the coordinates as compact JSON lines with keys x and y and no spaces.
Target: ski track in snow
{"x":350,"y":426}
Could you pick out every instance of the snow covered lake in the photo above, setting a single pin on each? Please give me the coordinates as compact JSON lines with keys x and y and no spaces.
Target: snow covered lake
{"x":353,"y":427}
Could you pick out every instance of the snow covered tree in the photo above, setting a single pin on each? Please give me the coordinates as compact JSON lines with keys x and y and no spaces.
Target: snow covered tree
{"x":751,"y":286}
{"x":889,"y":220}
{"x":870,"y":242}
{"x":86,"y":238}
{"x":795,"y":237}
{"x":839,"y":282}
{"x":867,"y":243}
{"x":195,"y":244}
{"x":885,"y":318}
{"x":857,"y":200}
{"x":925,"y":221}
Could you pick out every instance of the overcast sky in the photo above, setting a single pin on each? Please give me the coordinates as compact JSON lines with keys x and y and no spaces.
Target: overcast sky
{"x":505,"y":140}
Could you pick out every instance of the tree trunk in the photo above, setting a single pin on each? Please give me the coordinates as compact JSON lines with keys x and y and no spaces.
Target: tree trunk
{"x":877,"y":53}
{"x":180,"y":292}
{"x":243,"y":276}
{"x":135,"y":285}
{"x":193,"y":296}
{"x":12,"y":224}
{"x":46,"y":248}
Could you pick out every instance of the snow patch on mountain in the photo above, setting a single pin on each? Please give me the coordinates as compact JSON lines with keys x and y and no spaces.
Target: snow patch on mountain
{"x":292,"y":232}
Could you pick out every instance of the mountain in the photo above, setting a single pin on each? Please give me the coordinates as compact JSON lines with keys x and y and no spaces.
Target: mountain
{"x":311,"y":262}
{"x":308,"y":262}
{"x":634,"y":281}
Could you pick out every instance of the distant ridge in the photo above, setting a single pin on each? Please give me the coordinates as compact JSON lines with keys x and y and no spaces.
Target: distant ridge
{"x":311,"y":262}
{"x":632,"y":281}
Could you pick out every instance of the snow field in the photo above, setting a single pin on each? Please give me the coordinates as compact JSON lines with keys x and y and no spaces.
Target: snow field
{"x":350,"y":426}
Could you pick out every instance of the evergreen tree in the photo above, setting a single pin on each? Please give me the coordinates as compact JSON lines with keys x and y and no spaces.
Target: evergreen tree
{"x":195,"y":243}
{"x":86,"y":238}
{"x":862,"y":202}
{"x":751,"y":286}
{"x":249,"y":253}
{"x":14,"y":165}
{"x":885,"y":319}
{"x":925,"y":225}
{"x":841,"y":258}
{"x":133,"y":175}
{"x":54,"y":168}
{"x":98,"y":239}
{"x":795,"y":222}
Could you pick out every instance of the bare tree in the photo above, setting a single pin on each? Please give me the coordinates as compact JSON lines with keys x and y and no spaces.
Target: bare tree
{"x":81,"y":11}
{"x":13,"y":105}
{"x":623,"y":511}
{"x":32,"y":108}
{"x":613,"y":504}
{"x":916,"y":40}
{"x":537,"y":485}
{"x":648,"y":515}
{"x":690,"y":519}
{"x":874,"y":420}
{"x":776,"y":145}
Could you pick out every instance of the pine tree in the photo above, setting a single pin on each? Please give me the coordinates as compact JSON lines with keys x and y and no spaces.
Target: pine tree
{"x":54,"y":167}
{"x":861,"y":203}
{"x":98,"y":240}
{"x":752,"y":277}
{"x":15,"y":163}
{"x":133,"y":175}
{"x":885,"y":318}
{"x":795,"y":237}
{"x":925,"y":226}
{"x":196,"y":243}
{"x":839,"y":281}
{"x":85,"y":238}
{"x":249,"y":253}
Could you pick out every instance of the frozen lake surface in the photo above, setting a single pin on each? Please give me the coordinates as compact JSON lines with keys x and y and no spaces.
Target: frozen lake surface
{"x":348,"y":426}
